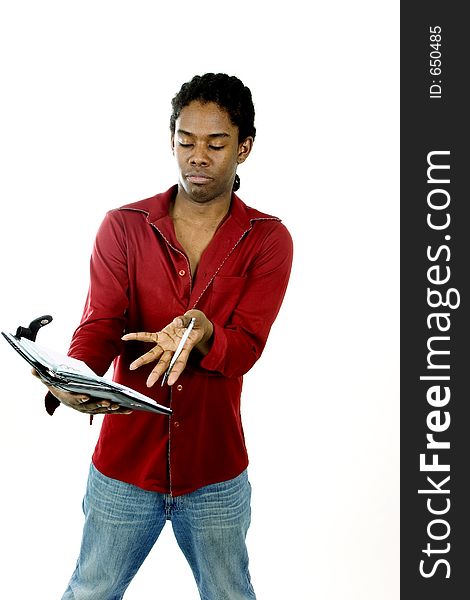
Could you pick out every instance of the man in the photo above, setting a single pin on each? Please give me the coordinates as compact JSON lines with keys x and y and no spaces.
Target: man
{"x":194,"y":251}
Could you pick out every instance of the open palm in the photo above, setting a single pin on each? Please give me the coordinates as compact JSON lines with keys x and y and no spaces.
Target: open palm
{"x":166,"y":341}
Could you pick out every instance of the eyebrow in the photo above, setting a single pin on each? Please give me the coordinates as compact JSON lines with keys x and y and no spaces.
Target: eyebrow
{"x":211,"y":135}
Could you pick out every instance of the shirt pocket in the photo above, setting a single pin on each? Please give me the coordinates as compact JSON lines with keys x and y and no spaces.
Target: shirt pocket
{"x":226,"y":293}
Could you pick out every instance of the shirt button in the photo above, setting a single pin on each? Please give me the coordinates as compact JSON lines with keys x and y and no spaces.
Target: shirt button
{"x":176,"y":424}
{"x":179,"y":387}
{"x":182,"y":272}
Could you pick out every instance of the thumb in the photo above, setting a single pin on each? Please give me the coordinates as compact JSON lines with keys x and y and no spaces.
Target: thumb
{"x":179,"y":321}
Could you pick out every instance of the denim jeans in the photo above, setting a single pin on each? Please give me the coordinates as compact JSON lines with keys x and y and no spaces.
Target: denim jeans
{"x":122,"y":523}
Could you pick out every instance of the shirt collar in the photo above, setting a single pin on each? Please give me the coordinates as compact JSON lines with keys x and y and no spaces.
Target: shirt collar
{"x":157,"y":210}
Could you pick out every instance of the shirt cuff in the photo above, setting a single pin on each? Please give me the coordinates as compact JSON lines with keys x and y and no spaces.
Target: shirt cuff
{"x":214,"y":359}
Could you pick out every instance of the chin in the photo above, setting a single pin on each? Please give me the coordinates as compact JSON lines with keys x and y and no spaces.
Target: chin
{"x":199,"y":195}
{"x":202,"y":193}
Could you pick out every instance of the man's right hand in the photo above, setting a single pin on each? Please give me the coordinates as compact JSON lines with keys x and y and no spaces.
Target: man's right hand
{"x":82,"y":402}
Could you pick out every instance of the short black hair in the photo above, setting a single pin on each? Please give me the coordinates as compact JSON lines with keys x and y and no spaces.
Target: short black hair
{"x":228,"y":92}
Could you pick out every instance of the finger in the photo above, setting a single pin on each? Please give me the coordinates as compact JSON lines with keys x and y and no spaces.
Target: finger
{"x":186,"y":318}
{"x":115,"y":409}
{"x":140,"y":336}
{"x":111,"y":408}
{"x":150,"y":356}
{"x":93,"y":406}
{"x":180,"y":364}
{"x":179,"y":321}
{"x":159,"y":368}
{"x":103,"y":407}
{"x":69,"y":398}
{"x":80,"y":399}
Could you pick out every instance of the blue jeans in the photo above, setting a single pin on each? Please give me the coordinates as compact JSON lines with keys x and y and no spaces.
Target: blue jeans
{"x":122,"y":523}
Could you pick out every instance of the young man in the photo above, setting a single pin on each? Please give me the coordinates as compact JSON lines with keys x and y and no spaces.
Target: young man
{"x":195,"y":250}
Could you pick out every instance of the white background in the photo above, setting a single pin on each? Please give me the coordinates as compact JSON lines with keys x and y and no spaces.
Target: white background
{"x":85,"y":105}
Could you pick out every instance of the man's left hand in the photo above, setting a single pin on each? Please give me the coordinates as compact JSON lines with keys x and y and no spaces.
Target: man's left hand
{"x":167,"y":340}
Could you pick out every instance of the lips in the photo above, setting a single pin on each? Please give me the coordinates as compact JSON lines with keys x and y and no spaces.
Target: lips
{"x":198,"y":178}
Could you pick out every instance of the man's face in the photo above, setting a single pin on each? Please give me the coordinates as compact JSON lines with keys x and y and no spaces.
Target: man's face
{"x":207,"y":151}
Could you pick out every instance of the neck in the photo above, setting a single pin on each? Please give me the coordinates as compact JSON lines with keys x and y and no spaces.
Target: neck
{"x":200,"y":212}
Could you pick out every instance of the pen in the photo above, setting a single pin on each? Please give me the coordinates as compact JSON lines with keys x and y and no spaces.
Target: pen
{"x":179,"y":349}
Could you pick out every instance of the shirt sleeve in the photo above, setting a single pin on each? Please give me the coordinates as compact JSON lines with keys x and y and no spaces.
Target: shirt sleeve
{"x":97,"y":340}
{"x":237,"y":345}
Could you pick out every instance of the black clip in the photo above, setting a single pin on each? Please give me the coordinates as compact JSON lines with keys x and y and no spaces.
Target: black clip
{"x":31,"y":331}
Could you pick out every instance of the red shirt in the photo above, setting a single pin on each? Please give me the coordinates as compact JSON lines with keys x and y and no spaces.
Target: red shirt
{"x":140,"y":279}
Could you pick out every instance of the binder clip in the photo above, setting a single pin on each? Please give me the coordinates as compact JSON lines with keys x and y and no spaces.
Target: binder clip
{"x":31,"y":331}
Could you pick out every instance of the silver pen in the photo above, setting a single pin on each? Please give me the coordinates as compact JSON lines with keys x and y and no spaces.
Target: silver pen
{"x":179,"y":349}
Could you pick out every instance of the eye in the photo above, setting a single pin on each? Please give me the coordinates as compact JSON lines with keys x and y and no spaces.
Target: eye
{"x":183,"y":145}
{"x":216,"y":147}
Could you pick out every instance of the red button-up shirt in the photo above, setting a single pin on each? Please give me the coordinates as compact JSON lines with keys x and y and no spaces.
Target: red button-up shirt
{"x":140,"y":279}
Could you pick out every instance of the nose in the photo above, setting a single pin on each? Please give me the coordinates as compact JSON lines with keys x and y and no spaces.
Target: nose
{"x":199,"y":156}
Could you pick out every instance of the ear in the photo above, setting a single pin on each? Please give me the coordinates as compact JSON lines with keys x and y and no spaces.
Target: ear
{"x":244,"y":149}
{"x":172,"y":142}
